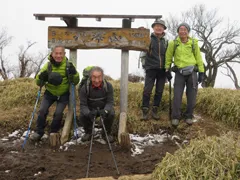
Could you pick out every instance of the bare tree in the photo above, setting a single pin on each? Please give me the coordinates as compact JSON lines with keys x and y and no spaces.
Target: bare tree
{"x":232,"y":75}
{"x":5,"y":40}
{"x":219,"y":41}
{"x":29,"y":64}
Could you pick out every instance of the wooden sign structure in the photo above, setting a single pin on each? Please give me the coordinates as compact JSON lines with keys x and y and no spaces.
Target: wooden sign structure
{"x":98,"y":38}
{"x":125,"y":38}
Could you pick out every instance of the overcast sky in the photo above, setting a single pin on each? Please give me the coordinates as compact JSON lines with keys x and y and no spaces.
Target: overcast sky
{"x":17,"y":17}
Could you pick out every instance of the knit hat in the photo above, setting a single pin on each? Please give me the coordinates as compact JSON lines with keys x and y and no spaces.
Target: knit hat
{"x":185,"y":25}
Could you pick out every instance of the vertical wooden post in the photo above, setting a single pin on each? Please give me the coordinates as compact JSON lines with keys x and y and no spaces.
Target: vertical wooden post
{"x":126,"y":23}
{"x":68,"y":121}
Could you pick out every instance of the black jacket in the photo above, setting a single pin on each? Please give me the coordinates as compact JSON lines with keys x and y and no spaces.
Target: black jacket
{"x":101,"y":98}
{"x":156,"y":55}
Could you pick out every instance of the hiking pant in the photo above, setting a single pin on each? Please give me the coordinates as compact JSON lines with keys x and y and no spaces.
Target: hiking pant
{"x":191,"y":84}
{"x":48,"y":100}
{"x":87,"y":123}
{"x":153,"y":75}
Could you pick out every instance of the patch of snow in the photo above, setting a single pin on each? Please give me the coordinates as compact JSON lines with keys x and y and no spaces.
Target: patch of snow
{"x":140,"y":142}
{"x":7,"y":171}
{"x":37,"y":174}
{"x":45,"y":136}
{"x":24,"y":134}
{"x":175,"y":137}
{"x":14,"y":152}
{"x":14,"y":134}
{"x":4,"y":139}
{"x":195,"y":120}
{"x":136,"y":150}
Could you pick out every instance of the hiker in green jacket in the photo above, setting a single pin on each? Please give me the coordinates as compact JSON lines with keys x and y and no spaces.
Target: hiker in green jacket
{"x":189,"y":71}
{"x":56,"y":75}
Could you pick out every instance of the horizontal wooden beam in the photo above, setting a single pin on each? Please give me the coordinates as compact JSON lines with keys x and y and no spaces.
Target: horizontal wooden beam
{"x":99,"y":16}
{"x":99,"y":38}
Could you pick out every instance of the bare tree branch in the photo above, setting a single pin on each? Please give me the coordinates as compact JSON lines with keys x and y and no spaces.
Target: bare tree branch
{"x":232,"y":75}
{"x":5,"y":40}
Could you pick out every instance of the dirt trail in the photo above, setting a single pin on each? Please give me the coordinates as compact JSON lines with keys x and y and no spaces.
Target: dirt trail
{"x":73,"y":163}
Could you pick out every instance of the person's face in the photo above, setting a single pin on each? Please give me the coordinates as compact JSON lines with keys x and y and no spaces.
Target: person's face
{"x":97,"y":78}
{"x":158,"y":29}
{"x":58,"y":54}
{"x":183,"y":32}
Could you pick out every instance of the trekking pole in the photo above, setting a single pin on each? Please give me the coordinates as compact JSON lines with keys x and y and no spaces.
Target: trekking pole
{"x":90,"y":150}
{"x":109,"y":145}
{"x":170,"y":99}
{"x":74,"y":112}
{"x":30,"y":123}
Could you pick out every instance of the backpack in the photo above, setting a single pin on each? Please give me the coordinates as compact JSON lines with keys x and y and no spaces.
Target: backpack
{"x":86,"y":80}
{"x":143,"y":54}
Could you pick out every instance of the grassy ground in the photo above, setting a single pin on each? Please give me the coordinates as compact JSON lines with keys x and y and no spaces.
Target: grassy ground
{"x":213,"y":154}
{"x":18,"y":98}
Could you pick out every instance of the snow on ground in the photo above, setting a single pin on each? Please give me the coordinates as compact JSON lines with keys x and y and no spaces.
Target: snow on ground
{"x":138,"y":142}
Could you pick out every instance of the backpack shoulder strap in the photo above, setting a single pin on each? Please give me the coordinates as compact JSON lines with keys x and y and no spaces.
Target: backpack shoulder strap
{"x":175,"y":46}
{"x":105,"y":85}
{"x":87,"y":86}
{"x":67,"y":67}
{"x":49,"y":67}
{"x":150,"y":47}
{"x":193,"y":47}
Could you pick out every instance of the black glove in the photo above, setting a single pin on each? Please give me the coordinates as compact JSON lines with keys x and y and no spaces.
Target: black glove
{"x":92,"y":114}
{"x":103,"y":113}
{"x":43,"y":76}
{"x":72,"y":69}
{"x":200,"y":77}
{"x":169,"y":75}
{"x":70,"y":78}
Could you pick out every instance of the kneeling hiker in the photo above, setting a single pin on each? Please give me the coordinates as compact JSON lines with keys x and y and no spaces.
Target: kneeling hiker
{"x":187,"y":61}
{"x":96,"y":99}
{"x":56,"y":75}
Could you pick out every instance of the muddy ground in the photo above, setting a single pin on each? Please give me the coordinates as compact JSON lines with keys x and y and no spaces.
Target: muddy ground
{"x":73,"y":162}
{"x":41,"y":162}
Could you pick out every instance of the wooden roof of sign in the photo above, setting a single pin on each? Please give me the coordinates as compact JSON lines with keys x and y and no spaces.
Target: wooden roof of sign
{"x":97,"y":16}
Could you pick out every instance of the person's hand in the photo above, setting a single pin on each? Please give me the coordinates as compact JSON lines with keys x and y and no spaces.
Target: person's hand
{"x":103,"y":113}
{"x":43,"y":76}
{"x":200,"y":77}
{"x":92,"y":114}
{"x":168,"y":75}
{"x":72,"y":70}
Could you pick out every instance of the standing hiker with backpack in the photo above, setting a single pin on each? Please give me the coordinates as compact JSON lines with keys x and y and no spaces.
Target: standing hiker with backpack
{"x":187,"y":62}
{"x":56,"y":75}
{"x":154,"y":66}
{"x":96,"y":99}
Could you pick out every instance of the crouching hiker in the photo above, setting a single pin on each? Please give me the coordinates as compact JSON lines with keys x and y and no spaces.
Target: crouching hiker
{"x":187,"y":62}
{"x":56,"y":75}
{"x":96,"y":99}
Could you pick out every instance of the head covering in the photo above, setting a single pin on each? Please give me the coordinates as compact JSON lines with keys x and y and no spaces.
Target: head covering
{"x":159,"y":21}
{"x":185,"y":25}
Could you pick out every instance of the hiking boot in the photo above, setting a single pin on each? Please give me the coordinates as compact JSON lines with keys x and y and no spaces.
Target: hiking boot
{"x":86,"y":137}
{"x":155,"y":113}
{"x":189,"y":121}
{"x":144,"y":113}
{"x":175,"y":122}
{"x":35,"y":137}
